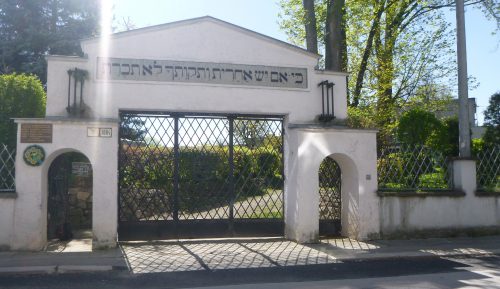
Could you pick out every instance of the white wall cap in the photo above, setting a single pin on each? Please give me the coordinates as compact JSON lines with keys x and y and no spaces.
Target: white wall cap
{"x":57,"y":119}
{"x":331,"y":72}
{"x":66,"y":58}
{"x":320,"y":127}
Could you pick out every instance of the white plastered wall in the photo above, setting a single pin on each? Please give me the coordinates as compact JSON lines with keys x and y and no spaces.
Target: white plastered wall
{"x":355,"y":152}
{"x":30,"y":207}
{"x":421,"y":213}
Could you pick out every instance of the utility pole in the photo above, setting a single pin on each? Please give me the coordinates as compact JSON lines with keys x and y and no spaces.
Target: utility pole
{"x":463,"y":94}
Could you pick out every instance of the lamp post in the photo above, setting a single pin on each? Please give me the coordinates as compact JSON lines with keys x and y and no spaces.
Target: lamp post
{"x":463,"y":111}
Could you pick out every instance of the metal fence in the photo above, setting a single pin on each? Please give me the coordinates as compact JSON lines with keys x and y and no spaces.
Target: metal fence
{"x":199,"y":175}
{"x":7,"y":168}
{"x":488,"y":169}
{"x":412,"y":168}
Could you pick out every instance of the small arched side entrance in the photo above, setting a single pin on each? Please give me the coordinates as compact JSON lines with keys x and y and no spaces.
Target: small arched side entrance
{"x":330,"y":203}
{"x":69,"y":206}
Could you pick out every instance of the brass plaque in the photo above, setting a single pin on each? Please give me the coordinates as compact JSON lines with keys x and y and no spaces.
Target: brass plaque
{"x":36,"y":133}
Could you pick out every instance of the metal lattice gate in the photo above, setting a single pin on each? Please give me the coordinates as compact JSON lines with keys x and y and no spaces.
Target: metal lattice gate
{"x":330,"y":207}
{"x":188,"y":175}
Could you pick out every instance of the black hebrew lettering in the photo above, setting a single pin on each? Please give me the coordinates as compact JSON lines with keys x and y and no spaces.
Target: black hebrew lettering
{"x":274,"y":76}
{"x":147,"y":69}
{"x":232,"y":72}
{"x":176,"y":74}
{"x":213,"y":73}
{"x":158,"y":69}
{"x":259,"y":75}
{"x":283,"y":77}
{"x":170,"y":70}
{"x":192,"y":73}
{"x":132,"y":69}
{"x":127,"y":72}
{"x":247,"y":75}
{"x":200,"y":72}
{"x":301,"y":77}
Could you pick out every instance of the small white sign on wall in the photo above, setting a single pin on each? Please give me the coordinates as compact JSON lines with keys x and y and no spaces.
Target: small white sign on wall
{"x":105,"y":132}
{"x":99,"y":131}
{"x":92,"y":131}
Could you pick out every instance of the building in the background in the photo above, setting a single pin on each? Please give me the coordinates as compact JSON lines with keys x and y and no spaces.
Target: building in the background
{"x":451,"y":110}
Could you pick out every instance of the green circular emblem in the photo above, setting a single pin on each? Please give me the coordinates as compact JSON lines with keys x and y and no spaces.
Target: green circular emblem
{"x":34,"y":155}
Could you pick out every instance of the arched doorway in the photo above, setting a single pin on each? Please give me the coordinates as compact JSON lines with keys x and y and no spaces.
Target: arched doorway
{"x":69,"y":206}
{"x":330,"y":205}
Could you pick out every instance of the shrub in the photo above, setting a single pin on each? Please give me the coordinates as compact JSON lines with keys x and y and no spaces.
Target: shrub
{"x":203,"y":176}
{"x":416,"y":127}
{"x":21,"y":95}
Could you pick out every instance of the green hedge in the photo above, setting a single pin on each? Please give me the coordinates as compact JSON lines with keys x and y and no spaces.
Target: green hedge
{"x":204,"y":176}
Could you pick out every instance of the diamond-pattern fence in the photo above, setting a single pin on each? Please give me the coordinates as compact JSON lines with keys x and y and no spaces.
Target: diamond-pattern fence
{"x":177,"y":167}
{"x":488,"y":169}
{"x":329,"y":190}
{"x":330,"y":205}
{"x":7,"y":168}
{"x":413,"y":168}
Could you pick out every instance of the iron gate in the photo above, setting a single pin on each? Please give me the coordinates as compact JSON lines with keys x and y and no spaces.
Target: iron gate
{"x":184,"y":175}
{"x":330,"y":207}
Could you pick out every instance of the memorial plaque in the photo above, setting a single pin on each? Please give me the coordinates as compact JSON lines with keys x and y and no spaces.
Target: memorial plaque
{"x":36,"y":133}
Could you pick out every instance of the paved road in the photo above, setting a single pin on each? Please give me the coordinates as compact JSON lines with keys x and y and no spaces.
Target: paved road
{"x":420,"y":272}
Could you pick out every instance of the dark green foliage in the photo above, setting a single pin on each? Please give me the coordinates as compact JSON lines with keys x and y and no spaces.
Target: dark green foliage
{"x":416,"y":127}
{"x":412,"y":168}
{"x":29,"y":30}
{"x":420,"y":161}
{"x":203,"y":175}
{"x":20,"y":96}
{"x":132,"y":128}
{"x":492,"y":121}
{"x":445,"y":138}
{"x":419,"y":127}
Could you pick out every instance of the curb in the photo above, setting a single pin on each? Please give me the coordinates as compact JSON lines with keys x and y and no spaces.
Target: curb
{"x":413,"y":255}
{"x":67,"y":269}
{"x":60,"y":269}
{"x":28,"y":270}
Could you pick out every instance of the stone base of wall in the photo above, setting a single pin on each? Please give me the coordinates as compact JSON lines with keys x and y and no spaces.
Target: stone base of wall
{"x":442,"y":233}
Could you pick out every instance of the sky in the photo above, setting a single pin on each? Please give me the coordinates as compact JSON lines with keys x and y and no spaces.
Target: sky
{"x":483,"y":48}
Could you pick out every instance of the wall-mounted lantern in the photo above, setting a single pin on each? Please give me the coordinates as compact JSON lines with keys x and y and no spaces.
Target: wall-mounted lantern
{"x":77,"y":78}
{"x":326,"y":101}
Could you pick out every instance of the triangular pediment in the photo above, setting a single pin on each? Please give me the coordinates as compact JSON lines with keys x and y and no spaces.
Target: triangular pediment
{"x":200,"y":39}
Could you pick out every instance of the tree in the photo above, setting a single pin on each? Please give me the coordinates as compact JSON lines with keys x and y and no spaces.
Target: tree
{"x":492,"y":121}
{"x":253,"y":133}
{"x":321,"y":24}
{"x":21,"y":95}
{"x":416,"y":127}
{"x":394,"y":48}
{"x":445,"y":139}
{"x":133,"y":128}
{"x":29,"y":30}
{"x":335,"y":36}
{"x":310,"y":26}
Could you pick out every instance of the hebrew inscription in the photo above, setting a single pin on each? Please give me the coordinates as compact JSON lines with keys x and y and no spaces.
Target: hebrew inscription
{"x":200,"y":72}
